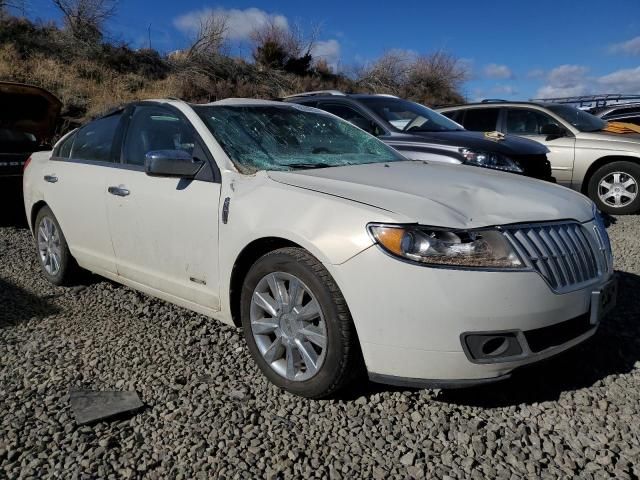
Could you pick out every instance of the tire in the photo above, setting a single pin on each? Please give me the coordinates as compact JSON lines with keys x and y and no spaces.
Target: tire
{"x":67,"y":269}
{"x":339,"y":362}
{"x":625,"y":172}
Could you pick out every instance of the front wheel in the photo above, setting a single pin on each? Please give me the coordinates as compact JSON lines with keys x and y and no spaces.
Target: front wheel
{"x":297,"y":324}
{"x":614,"y":188}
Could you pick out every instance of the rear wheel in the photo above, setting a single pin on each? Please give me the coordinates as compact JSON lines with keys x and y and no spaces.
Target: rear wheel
{"x":614,"y":188}
{"x":56,"y":262}
{"x":297,"y":325}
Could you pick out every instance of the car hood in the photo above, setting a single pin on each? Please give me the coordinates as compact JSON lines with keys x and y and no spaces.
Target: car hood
{"x":453,"y":196}
{"x":510,"y":145}
{"x":29,"y":109}
{"x":629,"y":140}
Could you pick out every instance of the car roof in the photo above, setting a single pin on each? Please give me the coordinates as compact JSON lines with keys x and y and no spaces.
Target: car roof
{"x":240,"y":102}
{"x":613,"y":108}
{"x":497,"y":104}
{"x":329,"y":96}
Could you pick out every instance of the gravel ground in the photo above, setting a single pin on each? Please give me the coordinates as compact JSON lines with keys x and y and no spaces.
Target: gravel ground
{"x":210,"y":414}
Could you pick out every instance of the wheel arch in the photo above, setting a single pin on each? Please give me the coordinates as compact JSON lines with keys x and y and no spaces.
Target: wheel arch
{"x":35,"y":208}
{"x":245,"y":259}
{"x":602,"y":161}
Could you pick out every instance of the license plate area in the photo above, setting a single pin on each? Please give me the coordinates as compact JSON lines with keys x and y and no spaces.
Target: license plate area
{"x":603,"y":301}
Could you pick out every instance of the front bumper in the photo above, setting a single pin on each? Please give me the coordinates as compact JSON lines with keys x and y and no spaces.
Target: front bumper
{"x":412,"y":320}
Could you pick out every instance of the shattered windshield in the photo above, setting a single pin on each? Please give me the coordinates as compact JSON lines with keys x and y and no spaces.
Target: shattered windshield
{"x":287,"y":137}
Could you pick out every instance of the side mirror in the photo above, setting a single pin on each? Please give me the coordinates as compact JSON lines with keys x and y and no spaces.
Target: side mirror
{"x":171,"y":163}
{"x":552,"y":130}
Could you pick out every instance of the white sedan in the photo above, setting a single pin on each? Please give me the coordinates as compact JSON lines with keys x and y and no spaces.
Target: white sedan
{"x":335,"y":254}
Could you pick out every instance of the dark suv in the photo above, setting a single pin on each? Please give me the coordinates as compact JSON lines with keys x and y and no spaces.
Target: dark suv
{"x":422,"y":134}
{"x":623,"y":112}
{"x":28,"y":119}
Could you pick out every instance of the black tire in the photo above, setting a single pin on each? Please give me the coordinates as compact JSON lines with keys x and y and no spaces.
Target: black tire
{"x":69,"y":271}
{"x":630,"y":169}
{"x":343,"y":359}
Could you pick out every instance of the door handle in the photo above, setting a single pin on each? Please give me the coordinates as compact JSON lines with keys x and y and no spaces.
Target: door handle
{"x":118,"y":191}
{"x":50,"y":178}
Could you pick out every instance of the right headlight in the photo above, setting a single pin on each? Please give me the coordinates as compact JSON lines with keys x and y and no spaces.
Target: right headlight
{"x":494,"y":160}
{"x":486,"y":248}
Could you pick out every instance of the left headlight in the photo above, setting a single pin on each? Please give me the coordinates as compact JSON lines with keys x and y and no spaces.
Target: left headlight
{"x":493,"y":160}
{"x":486,"y":248}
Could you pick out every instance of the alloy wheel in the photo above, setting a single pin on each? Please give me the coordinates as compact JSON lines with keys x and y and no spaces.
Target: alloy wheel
{"x":49,"y":246}
{"x":288,"y":326}
{"x":617,"y":189}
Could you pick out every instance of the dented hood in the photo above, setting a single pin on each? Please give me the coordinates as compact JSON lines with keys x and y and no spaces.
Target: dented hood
{"x":443,"y":195}
{"x":30,"y":109}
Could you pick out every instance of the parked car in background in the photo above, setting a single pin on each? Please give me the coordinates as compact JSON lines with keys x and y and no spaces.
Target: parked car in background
{"x":603,"y":165}
{"x":28,"y":117}
{"x":332,"y":251}
{"x":419,"y":133}
{"x":623,"y":112}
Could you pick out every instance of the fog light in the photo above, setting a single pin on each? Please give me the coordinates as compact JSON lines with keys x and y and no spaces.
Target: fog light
{"x":487,"y":347}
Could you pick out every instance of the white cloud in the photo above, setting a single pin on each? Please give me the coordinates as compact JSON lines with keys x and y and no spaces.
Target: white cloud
{"x":536,"y":73}
{"x":240,"y":23}
{"x":572,"y":80}
{"x":630,"y":47}
{"x":621,"y":81}
{"x":493,"y":70}
{"x":565,"y":81}
{"x":504,"y":90}
{"x":327,"y":50}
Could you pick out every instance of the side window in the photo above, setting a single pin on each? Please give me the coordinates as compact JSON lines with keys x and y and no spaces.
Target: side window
{"x":521,"y":121}
{"x":155,"y":128}
{"x":351,"y":116}
{"x":94,"y":141}
{"x":455,"y":115}
{"x":481,"y":119}
{"x":63,"y":150}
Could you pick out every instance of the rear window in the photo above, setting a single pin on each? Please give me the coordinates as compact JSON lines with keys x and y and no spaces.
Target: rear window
{"x":94,"y":141}
{"x":63,"y":149}
{"x":481,"y":119}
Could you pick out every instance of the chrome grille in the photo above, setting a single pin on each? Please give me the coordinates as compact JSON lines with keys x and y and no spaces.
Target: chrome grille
{"x":565,"y":254}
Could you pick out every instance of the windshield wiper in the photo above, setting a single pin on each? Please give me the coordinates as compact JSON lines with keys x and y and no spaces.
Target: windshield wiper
{"x":307,"y":165}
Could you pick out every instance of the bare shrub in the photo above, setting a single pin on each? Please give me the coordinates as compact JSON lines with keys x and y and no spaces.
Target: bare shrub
{"x":85,"y":18}
{"x":210,"y":36}
{"x":283,"y":48}
{"x":435,"y":78}
{"x":432,"y":78}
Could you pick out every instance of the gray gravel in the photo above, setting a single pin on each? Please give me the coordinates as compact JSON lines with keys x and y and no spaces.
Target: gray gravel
{"x":210,"y":414}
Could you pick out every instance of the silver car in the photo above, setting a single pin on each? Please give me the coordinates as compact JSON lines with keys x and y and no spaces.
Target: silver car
{"x":605,"y":166}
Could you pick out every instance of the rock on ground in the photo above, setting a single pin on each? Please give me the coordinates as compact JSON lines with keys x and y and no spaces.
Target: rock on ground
{"x":210,"y":413}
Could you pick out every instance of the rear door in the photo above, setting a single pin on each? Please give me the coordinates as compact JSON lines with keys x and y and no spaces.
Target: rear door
{"x":528,"y":123}
{"x":75,"y":190}
{"x":165,"y":230}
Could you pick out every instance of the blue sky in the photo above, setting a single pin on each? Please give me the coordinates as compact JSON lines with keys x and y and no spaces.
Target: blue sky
{"x":512,"y":49}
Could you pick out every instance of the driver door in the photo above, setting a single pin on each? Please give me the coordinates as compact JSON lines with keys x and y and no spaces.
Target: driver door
{"x":165,"y":229}
{"x":527,"y":123}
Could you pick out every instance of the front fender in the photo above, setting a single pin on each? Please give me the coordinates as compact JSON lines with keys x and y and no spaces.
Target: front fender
{"x":331,"y":228}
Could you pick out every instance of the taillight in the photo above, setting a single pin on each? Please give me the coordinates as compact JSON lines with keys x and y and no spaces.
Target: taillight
{"x":26,"y":164}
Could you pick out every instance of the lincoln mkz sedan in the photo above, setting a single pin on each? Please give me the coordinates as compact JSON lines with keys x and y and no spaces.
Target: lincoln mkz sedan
{"x":334,"y":253}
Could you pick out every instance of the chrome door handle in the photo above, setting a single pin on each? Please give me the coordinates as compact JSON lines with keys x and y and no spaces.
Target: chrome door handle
{"x":118,"y":191}
{"x":50,"y":178}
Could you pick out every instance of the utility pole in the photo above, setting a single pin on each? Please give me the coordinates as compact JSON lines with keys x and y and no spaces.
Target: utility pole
{"x":149,"y":33}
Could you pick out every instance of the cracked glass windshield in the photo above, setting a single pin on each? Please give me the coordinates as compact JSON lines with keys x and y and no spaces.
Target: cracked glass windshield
{"x":289,"y":137}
